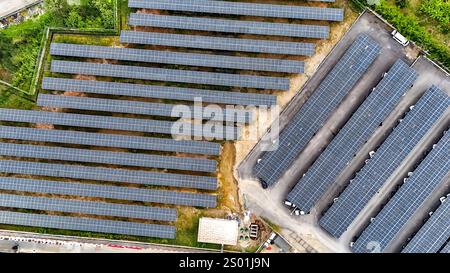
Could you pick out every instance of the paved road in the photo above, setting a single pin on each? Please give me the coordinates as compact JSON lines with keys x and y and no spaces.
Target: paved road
{"x":9,"y":6}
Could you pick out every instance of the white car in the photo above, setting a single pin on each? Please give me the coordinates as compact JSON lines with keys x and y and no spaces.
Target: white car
{"x":399,"y":38}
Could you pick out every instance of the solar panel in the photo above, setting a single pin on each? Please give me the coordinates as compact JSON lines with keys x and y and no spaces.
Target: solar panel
{"x":433,"y":235}
{"x":239,"y":8}
{"x":115,"y":123}
{"x":446,"y":249}
{"x":109,"y":140}
{"x":107,"y":157}
{"x":169,"y":75}
{"x":411,"y":196}
{"x":108,"y":174}
{"x":229,"y":114}
{"x":108,"y":192}
{"x":387,"y":159}
{"x":217,"y":43}
{"x":154,"y":91}
{"x":313,"y":114}
{"x":86,"y":224}
{"x":232,"y":26}
{"x":87,"y":207}
{"x":181,"y":58}
{"x":377,"y":106}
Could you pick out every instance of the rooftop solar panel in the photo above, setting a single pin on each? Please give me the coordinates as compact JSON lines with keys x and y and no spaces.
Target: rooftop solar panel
{"x":181,"y":58}
{"x":433,"y":235}
{"x":229,"y":114}
{"x":240,"y":8}
{"x":217,"y":43}
{"x":108,"y":192}
{"x":115,"y":123}
{"x":393,"y":218}
{"x":87,"y":207}
{"x":86,"y":224}
{"x":169,"y":75}
{"x":233,"y":26}
{"x":313,"y":114}
{"x":108,"y":174}
{"x":155,"y":91}
{"x":109,"y":140}
{"x":446,"y":249}
{"x":107,"y":157}
{"x":352,"y":136}
{"x":387,"y":158}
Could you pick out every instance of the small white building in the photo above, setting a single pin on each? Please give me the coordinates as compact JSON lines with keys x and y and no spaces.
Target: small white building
{"x":218,"y":231}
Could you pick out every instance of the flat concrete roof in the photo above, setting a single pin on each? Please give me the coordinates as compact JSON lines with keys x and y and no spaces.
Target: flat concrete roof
{"x":218,"y":231}
{"x":8,"y":7}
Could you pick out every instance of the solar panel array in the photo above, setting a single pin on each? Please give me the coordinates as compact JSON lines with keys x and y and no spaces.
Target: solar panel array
{"x":108,"y":174}
{"x":110,"y":140}
{"x":386,"y":160}
{"x":377,"y":106}
{"x":433,"y":235}
{"x":87,"y":207}
{"x":155,"y":91}
{"x":87,"y":224}
{"x":143,"y":108}
{"x":169,"y":75}
{"x":107,"y":157}
{"x":109,"y":192}
{"x":408,"y":199}
{"x":239,"y":8}
{"x":180,"y":58}
{"x":316,"y":110}
{"x":233,"y":26}
{"x":217,"y":43}
{"x":115,"y":123}
{"x":446,"y":249}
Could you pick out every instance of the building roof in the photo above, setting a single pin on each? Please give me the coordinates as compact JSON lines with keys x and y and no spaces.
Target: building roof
{"x":218,"y":231}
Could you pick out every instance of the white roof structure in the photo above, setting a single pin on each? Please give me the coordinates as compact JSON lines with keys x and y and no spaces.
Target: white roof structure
{"x":218,"y":231}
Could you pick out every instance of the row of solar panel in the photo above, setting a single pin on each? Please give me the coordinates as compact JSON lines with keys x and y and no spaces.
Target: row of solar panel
{"x":124,"y":124}
{"x":87,"y":224}
{"x":110,"y":140}
{"x":108,"y":192}
{"x":233,"y":26}
{"x":217,"y":43}
{"x":425,"y":179}
{"x":180,"y":58}
{"x":316,"y":110}
{"x":155,"y":91}
{"x":87,"y":207}
{"x":169,"y":75}
{"x":240,"y":8}
{"x":387,"y":158}
{"x":108,"y":174}
{"x":107,"y":157}
{"x":213,"y":113}
{"x":358,"y":129}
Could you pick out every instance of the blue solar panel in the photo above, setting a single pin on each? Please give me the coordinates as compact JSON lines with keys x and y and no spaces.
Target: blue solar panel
{"x":86,"y":224}
{"x":411,"y":196}
{"x":155,"y":91}
{"x":230,"y":114}
{"x":314,"y":113}
{"x":170,"y":75}
{"x":107,"y":157}
{"x":386,"y":160}
{"x":108,"y":174}
{"x":217,"y":43}
{"x":240,"y":8}
{"x":109,"y":192}
{"x":87,"y":207}
{"x":233,"y":26}
{"x":352,"y":136}
{"x":433,"y":235}
{"x":446,"y":249}
{"x":114,"y":123}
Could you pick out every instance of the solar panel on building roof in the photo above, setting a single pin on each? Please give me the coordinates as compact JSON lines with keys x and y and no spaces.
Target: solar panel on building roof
{"x":169,"y":75}
{"x":387,"y":158}
{"x":240,"y":8}
{"x":86,"y":224}
{"x":446,"y":249}
{"x":311,"y":116}
{"x":217,"y":43}
{"x":352,"y":136}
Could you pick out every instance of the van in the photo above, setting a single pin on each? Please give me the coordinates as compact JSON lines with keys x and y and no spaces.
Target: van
{"x":399,"y":38}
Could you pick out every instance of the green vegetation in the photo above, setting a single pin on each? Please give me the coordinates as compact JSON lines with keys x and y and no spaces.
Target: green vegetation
{"x":439,"y":10}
